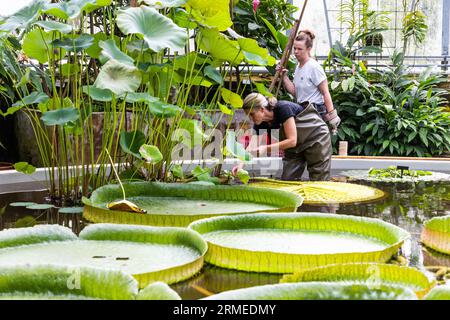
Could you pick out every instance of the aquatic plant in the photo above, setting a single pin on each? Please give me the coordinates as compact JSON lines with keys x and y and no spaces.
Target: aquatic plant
{"x":318,"y":291}
{"x":280,"y":243}
{"x":178,"y":204}
{"x":436,"y":234}
{"x":46,"y":281}
{"x":323,"y":192}
{"x":147,"y":253}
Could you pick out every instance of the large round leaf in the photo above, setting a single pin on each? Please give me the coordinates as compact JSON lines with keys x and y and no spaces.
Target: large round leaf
{"x":32,"y":98}
{"x":118,"y":77}
{"x":74,"y":42}
{"x":254,"y":54}
{"x":54,"y":26}
{"x":111,"y":51}
{"x":373,"y":274}
{"x":281,"y":243}
{"x":436,"y":234}
{"x":60,"y":117}
{"x":98,"y":94}
{"x":324,"y":192}
{"x":178,"y":204}
{"x":136,"y":97}
{"x":148,"y":253}
{"x":219,"y":46}
{"x":231,"y":98}
{"x":317,"y":291}
{"x":131,"y":142}
{"x":161,"y":109}
{"x":73,"y":8}
{"x":158,"y":31}
{"x":23,"y":18}
{"x":211,"y":13}
{"x":159,"y":4}
{"x":150,"y":153}
{"x":37,"y":44}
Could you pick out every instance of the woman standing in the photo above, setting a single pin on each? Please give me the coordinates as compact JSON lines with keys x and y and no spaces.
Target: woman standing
{"x":304,"y":136}
{"x":310,"y":82}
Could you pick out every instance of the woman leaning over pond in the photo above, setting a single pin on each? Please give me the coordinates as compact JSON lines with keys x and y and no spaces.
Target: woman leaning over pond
{"x":310,"y":83}
{"x":304,"y":136}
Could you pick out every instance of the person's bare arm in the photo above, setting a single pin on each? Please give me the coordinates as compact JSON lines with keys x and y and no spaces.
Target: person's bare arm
{"x":287,"y":83}
{"x":290,"y":131}
{"x":323,"y":88}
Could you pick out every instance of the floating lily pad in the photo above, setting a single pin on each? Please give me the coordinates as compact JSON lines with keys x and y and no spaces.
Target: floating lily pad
{"x":317,"y":291}
{"x":40,"y":206}
{"x":21,"y":204}
{"x":178,"y":204}
{"x":74,"y":210}
{"x":436,"y":234}
{"x":439,"y":293}
{"x":373,"y":274}
{"x":323,"y":192}
{"x":287,"y":243}
{"x":147,"y":253}
{"x":364,"y":175}
{"x":49,"y":282}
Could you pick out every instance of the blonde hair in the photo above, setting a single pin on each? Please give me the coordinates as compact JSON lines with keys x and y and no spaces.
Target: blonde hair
{"x":306,"y":35}
{"x":257,"y":101}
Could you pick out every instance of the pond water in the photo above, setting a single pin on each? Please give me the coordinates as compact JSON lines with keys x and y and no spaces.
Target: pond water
{"x":406,"y":205}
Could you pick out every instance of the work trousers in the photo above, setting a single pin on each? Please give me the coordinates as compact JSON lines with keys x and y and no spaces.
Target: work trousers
{"x":313,"y":149}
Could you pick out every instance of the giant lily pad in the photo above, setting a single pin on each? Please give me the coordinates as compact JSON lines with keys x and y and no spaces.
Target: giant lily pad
{"x":436,"y":234}
{"x":287,"y":243}
{"x":373,"y":274}
{"x":317,"y":291}
{"x":178,"y":204}
{"x":35,"y":282}
{"x":439,"y":293}
{"x":147,"y":253}
{"x":415,"y":177}
{"x":324,"y":192}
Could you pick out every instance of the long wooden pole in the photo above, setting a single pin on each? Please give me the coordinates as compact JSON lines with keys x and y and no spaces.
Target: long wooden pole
{"x":287,"y":51}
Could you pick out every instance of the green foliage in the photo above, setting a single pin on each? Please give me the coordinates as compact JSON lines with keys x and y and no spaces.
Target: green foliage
{"x":393,"y":172}
{"x":386,"y":112}
{"x":266,"y":25}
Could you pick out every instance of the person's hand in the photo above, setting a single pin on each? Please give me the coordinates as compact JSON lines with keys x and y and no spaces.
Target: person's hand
{"x":236,"y":168}
{"x":333,"y":120}
{"x":282,"y":71}
{"x":261,"y":149}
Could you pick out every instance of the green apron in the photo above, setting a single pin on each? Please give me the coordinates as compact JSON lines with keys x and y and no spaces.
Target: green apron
{"x":313,"y":149}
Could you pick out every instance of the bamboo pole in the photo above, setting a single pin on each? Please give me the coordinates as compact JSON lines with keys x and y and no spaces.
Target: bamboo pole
{"x":287,"y":51}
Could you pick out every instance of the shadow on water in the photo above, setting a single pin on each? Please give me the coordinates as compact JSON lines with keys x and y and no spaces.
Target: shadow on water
{"x":406,"y":205}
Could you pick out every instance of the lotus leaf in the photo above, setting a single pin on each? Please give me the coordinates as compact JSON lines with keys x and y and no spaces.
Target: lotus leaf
{"x":178,"y":204}
{"x":118,"y":77}
{"x":54,"y":26}
{"x":132,"y":141}
{"x":436,"y":234}
{"x":49,"y":281}
{"x":147,"y":253}
{"x":373,"y":274}
{"x":439,"y":293}
{"x":74,"y":43}
{"x":60,"y":117}
{"x":323,"y":192}
{"x":211,"y":13}
{"x":23,"y":18}
{"x":281,"y":243}
{"x":111,"y":51}
{"x":158,"y":31}
{"x":317,"y":291}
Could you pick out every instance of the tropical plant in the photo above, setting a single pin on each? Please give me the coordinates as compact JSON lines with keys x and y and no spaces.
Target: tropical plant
{"x":397,"y":115}
{"x":436,"y":234}
{"x":172,"y":254}
{"x":138,"y":65}
{"x":76,"y":283}
{"x":193,"y":201}
{"x":258,"y":242}
{"x":414,"y":25}
{"x":318,"y":291}
{"x":323,"y":192}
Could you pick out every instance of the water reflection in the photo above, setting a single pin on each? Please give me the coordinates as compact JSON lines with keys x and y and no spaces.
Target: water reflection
{"x":406,"y":205}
